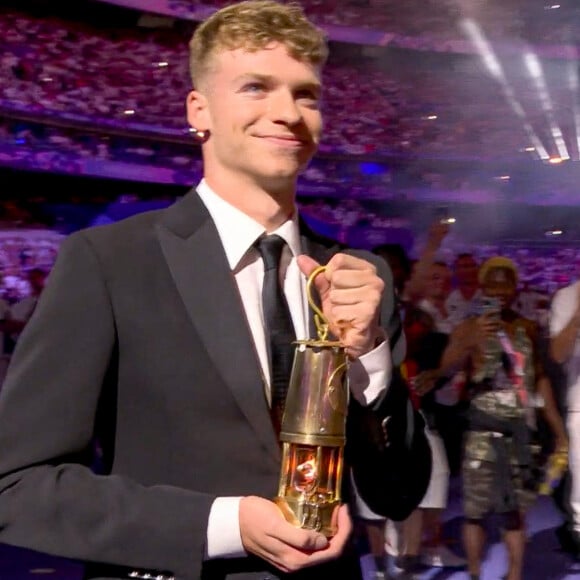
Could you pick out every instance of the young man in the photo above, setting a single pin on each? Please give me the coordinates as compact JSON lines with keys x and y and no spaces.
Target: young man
{"x":498,"y":351}
{"x":150,"y":338}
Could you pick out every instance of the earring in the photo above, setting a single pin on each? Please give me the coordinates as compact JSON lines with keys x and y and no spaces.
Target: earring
{"x":200,"y":136}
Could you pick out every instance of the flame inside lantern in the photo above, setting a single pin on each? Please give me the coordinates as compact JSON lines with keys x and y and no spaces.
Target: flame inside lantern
{"x":306,"y":476}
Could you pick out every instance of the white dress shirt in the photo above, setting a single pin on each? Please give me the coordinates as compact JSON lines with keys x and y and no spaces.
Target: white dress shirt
{"x":368,"y":376}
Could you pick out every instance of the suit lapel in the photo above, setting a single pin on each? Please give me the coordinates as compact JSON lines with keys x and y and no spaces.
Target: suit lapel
{"x":199,"y":267}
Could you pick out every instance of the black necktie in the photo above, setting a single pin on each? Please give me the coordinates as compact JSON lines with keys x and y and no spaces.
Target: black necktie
{"x":279,"y":328}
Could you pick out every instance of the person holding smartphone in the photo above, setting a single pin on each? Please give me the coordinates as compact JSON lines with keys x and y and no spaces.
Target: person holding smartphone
{"x":498,"y":351}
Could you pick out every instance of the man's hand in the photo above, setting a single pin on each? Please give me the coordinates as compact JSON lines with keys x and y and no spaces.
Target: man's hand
{"x":350,"y":293}
{"x":266,"y":534}
{"x":437,"y":233}
{"x":486,"y":326}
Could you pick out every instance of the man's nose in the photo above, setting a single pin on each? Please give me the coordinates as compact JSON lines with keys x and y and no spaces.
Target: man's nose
{"x":284,"y":109}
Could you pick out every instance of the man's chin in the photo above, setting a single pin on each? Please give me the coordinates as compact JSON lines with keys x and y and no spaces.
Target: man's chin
{"x":287,"y":173}
{"x":280,"y":181}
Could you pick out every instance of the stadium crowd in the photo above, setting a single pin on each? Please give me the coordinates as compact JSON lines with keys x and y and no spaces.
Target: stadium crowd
{"x":412,"y":104}
{"x":98,"y":100}
{"x":537,"y":22}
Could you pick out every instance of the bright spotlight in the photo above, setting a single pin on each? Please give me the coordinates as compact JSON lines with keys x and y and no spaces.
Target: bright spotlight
{"x":536,"y":72}
{"x":485,"y":49}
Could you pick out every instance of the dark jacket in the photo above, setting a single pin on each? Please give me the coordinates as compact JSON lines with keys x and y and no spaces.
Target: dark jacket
{"x":140,"y":342}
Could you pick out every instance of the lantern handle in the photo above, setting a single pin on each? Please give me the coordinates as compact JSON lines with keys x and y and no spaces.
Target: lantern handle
{"x":320,"y":320}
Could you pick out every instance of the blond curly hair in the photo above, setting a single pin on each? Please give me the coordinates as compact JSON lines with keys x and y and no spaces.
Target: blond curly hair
{"x":253,"y":25}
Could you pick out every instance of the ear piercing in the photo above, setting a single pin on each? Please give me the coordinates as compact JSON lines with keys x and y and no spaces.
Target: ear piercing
{"x":199,"y":136}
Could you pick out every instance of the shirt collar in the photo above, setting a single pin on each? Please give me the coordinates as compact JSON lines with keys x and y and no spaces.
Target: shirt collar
{"x":238,"y":231}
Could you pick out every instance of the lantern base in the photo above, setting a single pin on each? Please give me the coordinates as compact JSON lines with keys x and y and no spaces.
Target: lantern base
{"x":310,"y":515}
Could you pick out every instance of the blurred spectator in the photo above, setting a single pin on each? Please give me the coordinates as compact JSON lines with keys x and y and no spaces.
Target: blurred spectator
{"x":499,"y":352}
{"x":565,"y":349}
{"x":431,"y":23}
{"x":21,"y":311}
{"x":412,"y":105}
{"x":4,"y":357}
{"x":463,"y":299}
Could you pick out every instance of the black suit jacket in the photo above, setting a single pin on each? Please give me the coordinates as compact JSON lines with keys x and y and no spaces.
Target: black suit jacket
{"x":140,"y":341}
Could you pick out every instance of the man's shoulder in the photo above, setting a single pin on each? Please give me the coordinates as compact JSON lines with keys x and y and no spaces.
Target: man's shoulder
{"x":129,"y":225}
{"x":116,"y":242}
{"x":128,"y":231}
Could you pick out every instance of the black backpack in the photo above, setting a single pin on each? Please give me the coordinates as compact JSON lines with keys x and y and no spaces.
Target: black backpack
{"x":389,"y":453}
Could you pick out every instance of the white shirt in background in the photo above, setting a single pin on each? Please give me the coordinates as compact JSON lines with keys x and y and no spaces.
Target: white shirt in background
{"x":459,"y":307}
{"x":442,"y":323}
{"x":564,"y":305}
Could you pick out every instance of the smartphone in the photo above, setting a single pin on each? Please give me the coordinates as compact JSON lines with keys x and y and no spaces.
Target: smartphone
{"x":491,"y":306}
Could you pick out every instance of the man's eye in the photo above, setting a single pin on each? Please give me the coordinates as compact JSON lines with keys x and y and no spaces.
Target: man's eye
{"x":307,"y":96}
{"x":254,"y":87}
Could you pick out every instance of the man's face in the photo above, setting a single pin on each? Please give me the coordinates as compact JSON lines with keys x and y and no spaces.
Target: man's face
{"x":500,"y":283}
{"x":466,"y":270}
{"x":439,"y":281}
{"x":262,"y":110}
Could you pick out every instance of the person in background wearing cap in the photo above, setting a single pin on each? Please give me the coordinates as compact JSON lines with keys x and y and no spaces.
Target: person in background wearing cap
{"x":498,"y":351}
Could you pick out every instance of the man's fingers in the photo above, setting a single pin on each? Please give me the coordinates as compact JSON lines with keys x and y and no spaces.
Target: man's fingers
{"x":348,"y":262}
{"x":334,"y":546}
{"x":293,"y":549}
{"x":354,"y":296}
{"x":351,"y":317}
{"x":304,"y":540}
{"x":343,"y":521}
{"x":307,"y":265}
{"x":353,"y":278}
{"x":343,"y":272}
{"x":266,"y":533}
